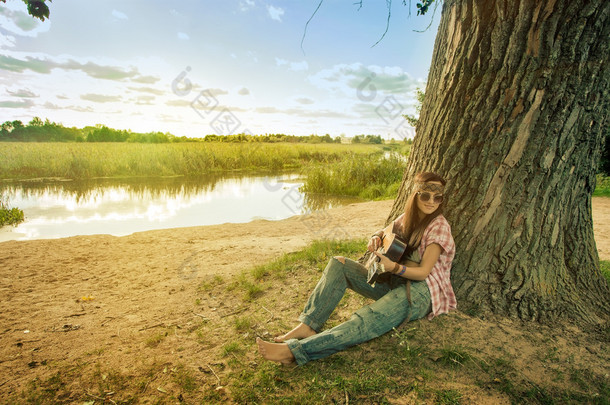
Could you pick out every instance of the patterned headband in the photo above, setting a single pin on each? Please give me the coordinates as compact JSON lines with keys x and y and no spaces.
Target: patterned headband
{"x":430,"y":187}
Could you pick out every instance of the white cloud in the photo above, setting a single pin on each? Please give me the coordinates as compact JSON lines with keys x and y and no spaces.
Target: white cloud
{"x":178,"y":103}
{"x":143,"y":100}
{"x":304,"y":100}
{"x":217,"y":92}
{"x":17,"y":104}
{"x":147,"y":90}
{"x":183,"y":36}
{"x":267,"y":110}
{"x":7,"y":41}
{"x":100,"y":98}
{"x":275,"y":13}
{"x":45,"y":64}
{"x":296,"y":66}
{"x":246,"y":5}
{"x":366,"y":81}
{"x":50,"y":106}
{"x":300,"y":112}
{"x":119,"y":15}
{"x":146,"y":79}
{"x":23,"y":93}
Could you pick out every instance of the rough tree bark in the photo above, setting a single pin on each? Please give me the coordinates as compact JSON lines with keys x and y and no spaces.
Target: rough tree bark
{"x":516,"y":104}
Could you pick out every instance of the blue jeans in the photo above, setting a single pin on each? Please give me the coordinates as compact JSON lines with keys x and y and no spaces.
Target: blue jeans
{"x":390,"y":309}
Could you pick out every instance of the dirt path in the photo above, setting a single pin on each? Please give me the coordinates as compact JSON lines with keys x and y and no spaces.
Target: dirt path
{"x":63,"y":298}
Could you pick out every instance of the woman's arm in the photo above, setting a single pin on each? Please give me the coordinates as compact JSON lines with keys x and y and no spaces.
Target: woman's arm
{"x":418,"y":273}
{"x":375,"y":241}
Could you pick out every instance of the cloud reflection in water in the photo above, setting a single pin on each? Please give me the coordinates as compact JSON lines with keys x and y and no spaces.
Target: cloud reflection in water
{"x":121,"y":207}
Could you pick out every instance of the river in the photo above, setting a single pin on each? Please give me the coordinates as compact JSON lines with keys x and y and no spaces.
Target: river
{"x":57,"y":209}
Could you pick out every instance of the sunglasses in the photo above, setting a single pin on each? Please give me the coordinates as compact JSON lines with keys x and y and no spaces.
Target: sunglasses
{"x":425,"y":196}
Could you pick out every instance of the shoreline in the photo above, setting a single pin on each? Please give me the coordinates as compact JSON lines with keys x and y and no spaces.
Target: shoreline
{"x":318,"y":224}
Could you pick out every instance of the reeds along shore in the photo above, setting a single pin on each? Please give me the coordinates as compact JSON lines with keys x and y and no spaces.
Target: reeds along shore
{"x":91,"y":160}
{"x":362,"y":170}
{"x":366,"y":177}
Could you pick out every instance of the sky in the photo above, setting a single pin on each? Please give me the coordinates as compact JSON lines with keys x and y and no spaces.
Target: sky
{"x":194,"y":68}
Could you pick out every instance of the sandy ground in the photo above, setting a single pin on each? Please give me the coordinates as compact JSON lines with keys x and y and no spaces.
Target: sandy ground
{"x":61,"y":298}
{"x":601,"y":226}
{"x":105,"y":290}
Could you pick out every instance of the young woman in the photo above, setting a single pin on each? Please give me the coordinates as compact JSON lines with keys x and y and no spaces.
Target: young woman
{"x":426,"y":263}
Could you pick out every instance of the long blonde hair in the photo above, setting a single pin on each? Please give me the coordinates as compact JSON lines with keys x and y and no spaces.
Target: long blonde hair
{"x":412,"y":227}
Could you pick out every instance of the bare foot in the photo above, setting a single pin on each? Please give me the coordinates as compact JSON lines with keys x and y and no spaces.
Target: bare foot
{"x":301,"y":331}
{"x":278,"y":352}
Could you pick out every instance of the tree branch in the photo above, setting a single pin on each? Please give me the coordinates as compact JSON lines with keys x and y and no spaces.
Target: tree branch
{"x":437,"y":2}
{"x":387,"y":26}
{"x":422,"y":9}
{"x":308,"y":21}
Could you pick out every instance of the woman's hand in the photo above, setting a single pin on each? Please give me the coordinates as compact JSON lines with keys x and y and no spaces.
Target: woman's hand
{"x":388,"y":265}
{"x":374,"y":243}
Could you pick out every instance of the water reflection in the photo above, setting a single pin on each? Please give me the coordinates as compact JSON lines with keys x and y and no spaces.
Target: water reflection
{"x":121,"y":207}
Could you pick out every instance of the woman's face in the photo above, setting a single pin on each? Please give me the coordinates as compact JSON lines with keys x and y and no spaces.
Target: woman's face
{"x":429,"y":206}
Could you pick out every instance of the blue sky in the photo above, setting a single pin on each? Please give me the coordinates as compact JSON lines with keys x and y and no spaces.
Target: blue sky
{"x":194,"y":68}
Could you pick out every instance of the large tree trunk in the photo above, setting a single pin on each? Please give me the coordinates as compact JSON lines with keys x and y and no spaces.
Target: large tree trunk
{"x":515,"y":109}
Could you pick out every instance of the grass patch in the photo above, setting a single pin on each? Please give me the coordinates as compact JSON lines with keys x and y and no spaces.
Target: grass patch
{"x":40,"y":391}
{"x":94,"y":160}
{"x":9,"y":216}
{"x":243,"y":324}
{"x":155,"y":340}
{"x":184,"y":378}
{"x":252,"y":283}
{"x":248,"y":288}
{"x":448,"y":397}
{"x":369,"y":177}
{"x":454,"y":356}
{"x":410,"y":351}
{"x":602,"y":186}
{"x":315,"y":255}
{"x":232,"y":348}
{"x":210,"y":285}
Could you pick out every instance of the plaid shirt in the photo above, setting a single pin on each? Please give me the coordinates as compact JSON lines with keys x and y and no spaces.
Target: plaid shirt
{"x":439,"y":282}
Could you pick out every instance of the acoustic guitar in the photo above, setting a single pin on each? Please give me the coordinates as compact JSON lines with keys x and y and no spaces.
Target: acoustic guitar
{"x":393,"y":247}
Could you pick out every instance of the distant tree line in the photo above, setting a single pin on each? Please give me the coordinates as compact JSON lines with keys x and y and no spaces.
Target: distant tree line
{"x":38,"y":130}
{"x":374,"y":139}
{"x":271,"y":138}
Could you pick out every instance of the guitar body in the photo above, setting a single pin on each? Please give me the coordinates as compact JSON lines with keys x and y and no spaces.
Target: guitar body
{"x":393,"y":247}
